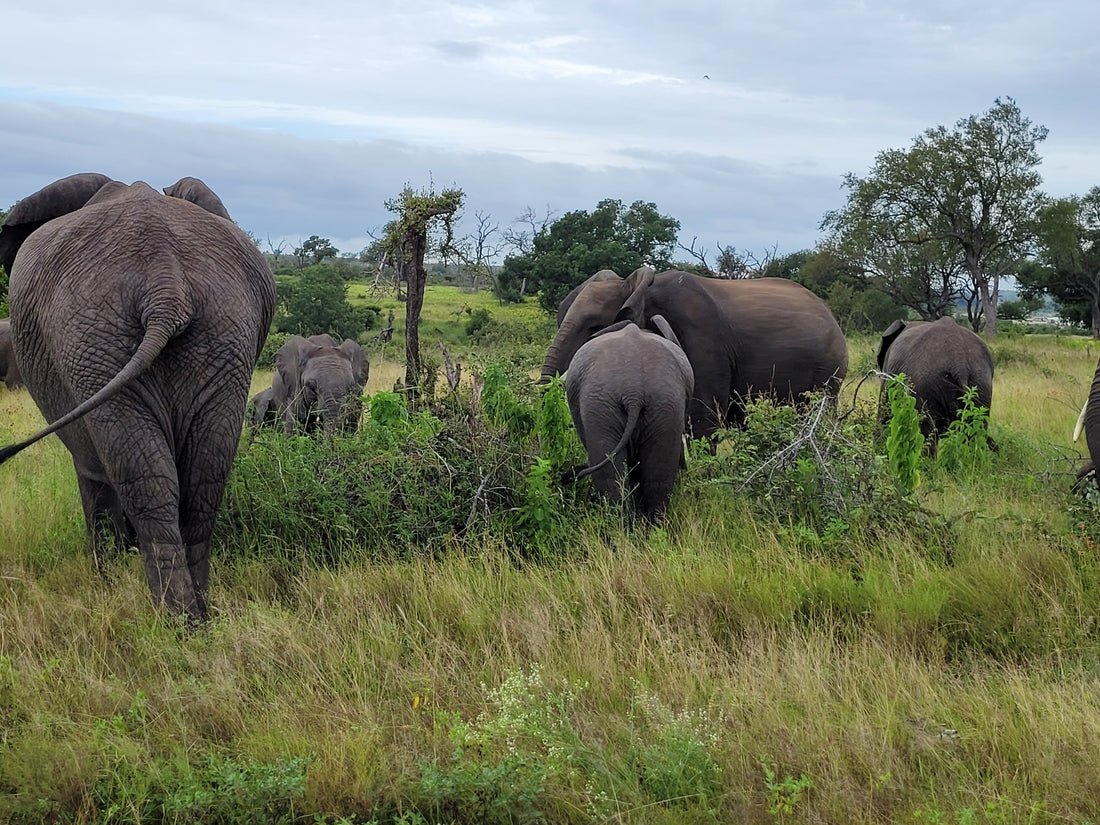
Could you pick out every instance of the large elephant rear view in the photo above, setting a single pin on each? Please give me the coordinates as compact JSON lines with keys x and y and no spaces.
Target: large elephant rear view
{"x":760,"y":336}
{"x":138,"y":318}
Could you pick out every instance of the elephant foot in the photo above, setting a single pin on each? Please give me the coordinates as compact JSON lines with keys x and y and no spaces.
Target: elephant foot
{"x":170,"y":582}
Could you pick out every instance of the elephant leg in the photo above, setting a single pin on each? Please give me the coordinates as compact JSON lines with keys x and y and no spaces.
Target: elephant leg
{"x":138,"y":460}
{"x":205,"y":462}
{"x":108,"y":528}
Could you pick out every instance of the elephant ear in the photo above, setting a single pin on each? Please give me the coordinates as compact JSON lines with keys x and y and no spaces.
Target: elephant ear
{"x":892,"y":332}
{"x":661,"y":325}
{"x":633,"y":309}
{"x":58,"y":198}
{"x":194,"y":190}
{"x":288,"y":363}
{"x":360,"y":366}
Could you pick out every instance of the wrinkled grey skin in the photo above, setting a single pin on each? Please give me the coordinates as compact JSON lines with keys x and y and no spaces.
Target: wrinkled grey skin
{"x":9,"y":370}
{"x":138,"y":318}
{"x":941,"y":360}
{"x":317,"y":384}
{"x":1091,"y":424}
{"x":567,"y":301}
{"x":741,"y":337}
{"x":629,"y":393}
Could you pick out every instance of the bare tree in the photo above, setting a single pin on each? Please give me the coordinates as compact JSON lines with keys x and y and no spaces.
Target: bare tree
{"x":478,"y":250}
{"x":731,"y":264}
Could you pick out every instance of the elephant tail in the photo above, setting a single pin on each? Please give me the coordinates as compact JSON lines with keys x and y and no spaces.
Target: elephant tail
{"x":633,"y":413}
{"x":157,"y":336}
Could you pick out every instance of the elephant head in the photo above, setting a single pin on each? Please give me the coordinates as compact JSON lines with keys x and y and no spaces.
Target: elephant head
{"x":319,"y":382}
{"x":567,"y":301}
{"x":589,"y":308}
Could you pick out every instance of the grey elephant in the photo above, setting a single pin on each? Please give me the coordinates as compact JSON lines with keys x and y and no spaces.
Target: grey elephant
{"x":317,"y":383}
{"x":9,"y":370}
{"x":741,"y":337}
{"x":1089,"y":423}
{"x":138,"y":318}
{"x":629,"y":393}
{"x":941,"y":360}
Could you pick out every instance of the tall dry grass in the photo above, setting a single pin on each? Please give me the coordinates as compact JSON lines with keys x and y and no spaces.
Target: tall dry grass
{"x":724,"y":667}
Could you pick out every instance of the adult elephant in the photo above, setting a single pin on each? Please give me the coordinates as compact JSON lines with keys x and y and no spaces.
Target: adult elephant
{"x":629,"y":392}
{"x":138,"y":318}
{"x":317,"y":383}
{"x":9,"y":370}
{"x":741,"y":337}
{"x":941,"y":361}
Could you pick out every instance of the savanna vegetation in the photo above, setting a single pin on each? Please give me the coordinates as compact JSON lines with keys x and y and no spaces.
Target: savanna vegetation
{"x":419,"y":623}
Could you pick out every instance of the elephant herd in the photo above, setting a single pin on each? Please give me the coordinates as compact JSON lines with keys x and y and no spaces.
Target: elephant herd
{"x":138,"y":317}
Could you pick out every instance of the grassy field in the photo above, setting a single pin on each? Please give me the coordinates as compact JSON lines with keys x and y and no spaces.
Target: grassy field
{"x":928,"y":660}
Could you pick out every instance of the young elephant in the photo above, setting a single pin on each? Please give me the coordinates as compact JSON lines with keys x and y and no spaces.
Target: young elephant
{"x":9,"y":371}
{"x":941,"y":361}
{"x":317,"y":383}
{"x":629,"y":394}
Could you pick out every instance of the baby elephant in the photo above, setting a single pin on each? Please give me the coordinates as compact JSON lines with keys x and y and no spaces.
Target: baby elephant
{"x":629,"y":391}
{"x":941,"y":360}
{"x":9,"y":372}
{"x":317,"y":383}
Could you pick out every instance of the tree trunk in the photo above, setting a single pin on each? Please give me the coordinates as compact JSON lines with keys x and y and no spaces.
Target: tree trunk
{"x":1096,"y":316}
{"x":416,"y":277}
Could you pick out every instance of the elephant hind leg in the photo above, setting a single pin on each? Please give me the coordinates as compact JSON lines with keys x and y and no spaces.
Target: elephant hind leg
{"x":109,"y":530}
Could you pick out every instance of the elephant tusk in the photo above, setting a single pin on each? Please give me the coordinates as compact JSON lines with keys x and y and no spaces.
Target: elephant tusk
{"x":1080,"y":421}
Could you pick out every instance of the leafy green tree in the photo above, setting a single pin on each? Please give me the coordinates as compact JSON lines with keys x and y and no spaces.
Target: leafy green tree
{"x":580,"y":243}
{"x":314,"y":301}
{"x":1068,"y":264}
{"x":972,"y":191}
{"x":314,"y":250}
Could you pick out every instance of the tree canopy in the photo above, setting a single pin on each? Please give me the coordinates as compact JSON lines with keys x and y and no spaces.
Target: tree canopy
{"x":965,"y":197}
{"x":579,"y":244}
{"x":1067,"y":266}
{"x":315,"y":301}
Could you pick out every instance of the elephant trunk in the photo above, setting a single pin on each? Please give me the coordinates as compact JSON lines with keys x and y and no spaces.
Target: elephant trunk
{"x":339,"y":412}
{"x":561,"y":352}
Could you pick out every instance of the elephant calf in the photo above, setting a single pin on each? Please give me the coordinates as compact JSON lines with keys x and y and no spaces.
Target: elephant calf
{"x":317,"y":383}
{"x":629,"y":393}
{"x":941,"y":361}
{"x":9,"y":371}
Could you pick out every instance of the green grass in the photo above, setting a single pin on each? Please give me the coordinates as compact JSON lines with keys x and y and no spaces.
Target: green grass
{"x":922,"y":660}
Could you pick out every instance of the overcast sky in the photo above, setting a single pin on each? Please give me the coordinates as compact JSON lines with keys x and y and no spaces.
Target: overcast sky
{"x":739,"y":118}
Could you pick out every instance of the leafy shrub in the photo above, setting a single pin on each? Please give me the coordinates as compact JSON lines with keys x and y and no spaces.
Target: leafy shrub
{"x":965,"y":445}
{"x":407,"y":480}
{"x":905,"y":442}
{"x":817,"y":473}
